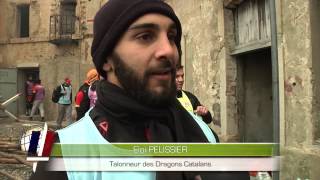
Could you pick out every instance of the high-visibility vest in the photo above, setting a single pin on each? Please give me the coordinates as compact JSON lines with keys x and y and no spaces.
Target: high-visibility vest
{"x":185,"y":102}
{"x":85,"y":131}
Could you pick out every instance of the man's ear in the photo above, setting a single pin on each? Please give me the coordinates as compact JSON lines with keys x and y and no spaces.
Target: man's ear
{"x":107,"y":67}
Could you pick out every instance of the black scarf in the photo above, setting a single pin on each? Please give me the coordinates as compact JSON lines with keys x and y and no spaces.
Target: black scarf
{"x":168,"y":124}
{"x":123,"y":113}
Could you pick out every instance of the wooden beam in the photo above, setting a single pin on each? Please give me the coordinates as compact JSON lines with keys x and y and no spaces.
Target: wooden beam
{"x":9,"y":139}
{"x":231,"y":4}
{"x":21,"y":159}
{"x":9,"y":146}
{"x":8,"y":161}
{"x":251,"y":47}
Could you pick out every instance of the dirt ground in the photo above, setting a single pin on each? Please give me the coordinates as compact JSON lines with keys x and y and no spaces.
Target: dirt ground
{"x":11,"y":131}
{"x":19,"y":171}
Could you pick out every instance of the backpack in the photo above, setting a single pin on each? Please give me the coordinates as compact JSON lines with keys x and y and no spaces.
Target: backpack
{"x":56,"y":94}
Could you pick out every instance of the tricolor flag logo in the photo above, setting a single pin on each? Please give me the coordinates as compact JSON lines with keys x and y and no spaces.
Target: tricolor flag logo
{"x":38,"y":143}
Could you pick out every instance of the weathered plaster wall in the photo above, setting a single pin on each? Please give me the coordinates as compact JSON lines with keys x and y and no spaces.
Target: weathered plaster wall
{"x":2,"y":20}
{"x":315,"y":38}
{"x":229,"y":83}
{"x":200,"y":40}
{"x":300,"y":163}
{"x":298,"y":53}
{"x":298,"y":72}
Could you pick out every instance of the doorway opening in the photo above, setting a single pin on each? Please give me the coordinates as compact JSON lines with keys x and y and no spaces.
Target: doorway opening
{"x":23,"y":75}
{"x":255,"y":96}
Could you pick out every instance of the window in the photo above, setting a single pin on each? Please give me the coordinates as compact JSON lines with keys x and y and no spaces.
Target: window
{"x":23,"y":20}
{"x":68,"y":11}
{"x":252,"y":25}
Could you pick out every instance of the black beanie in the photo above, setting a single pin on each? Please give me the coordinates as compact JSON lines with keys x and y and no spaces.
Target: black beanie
{"x":113,"y":19}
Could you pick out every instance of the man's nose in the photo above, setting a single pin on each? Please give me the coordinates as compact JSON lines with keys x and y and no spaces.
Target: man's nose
{"x":166,"y":49}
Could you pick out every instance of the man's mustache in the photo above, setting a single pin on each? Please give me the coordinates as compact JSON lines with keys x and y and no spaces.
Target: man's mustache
{"x":165,"y":66}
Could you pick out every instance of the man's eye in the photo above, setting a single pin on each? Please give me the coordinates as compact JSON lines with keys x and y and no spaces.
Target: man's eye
{"x":172,"y":37}
{"x":146,"y":37}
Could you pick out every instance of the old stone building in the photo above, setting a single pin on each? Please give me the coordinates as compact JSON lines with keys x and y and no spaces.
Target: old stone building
{"x":47,"y":39}
{"x":260,"y":90}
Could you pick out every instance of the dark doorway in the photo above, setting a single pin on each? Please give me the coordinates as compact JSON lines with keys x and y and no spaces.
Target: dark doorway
{"x":255,"y":96}
{"x":23,"y":74}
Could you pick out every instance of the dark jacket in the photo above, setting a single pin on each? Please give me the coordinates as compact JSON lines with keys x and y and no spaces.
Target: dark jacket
{"x":85,"y":102}
{"x":195,"y":103}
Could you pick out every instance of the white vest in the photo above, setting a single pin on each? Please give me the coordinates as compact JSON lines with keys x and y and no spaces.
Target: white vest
{"x":87,"y":133}
{"x":65,"y":99}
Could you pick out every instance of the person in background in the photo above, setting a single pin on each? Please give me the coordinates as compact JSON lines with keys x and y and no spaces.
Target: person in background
{"x":92,"y":93}
{"x":64,"y":103}
{"x":82,"y":100}
{"x":189,"y":101}
{"x":38,"y":94}
{"x":28,"y":94}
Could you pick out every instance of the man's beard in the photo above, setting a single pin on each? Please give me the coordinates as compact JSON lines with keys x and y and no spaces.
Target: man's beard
{"x":137,"y":87}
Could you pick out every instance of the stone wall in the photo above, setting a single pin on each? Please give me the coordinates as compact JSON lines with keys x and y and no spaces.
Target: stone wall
{"x":315,"y":39}
{"x":299,"y":51}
